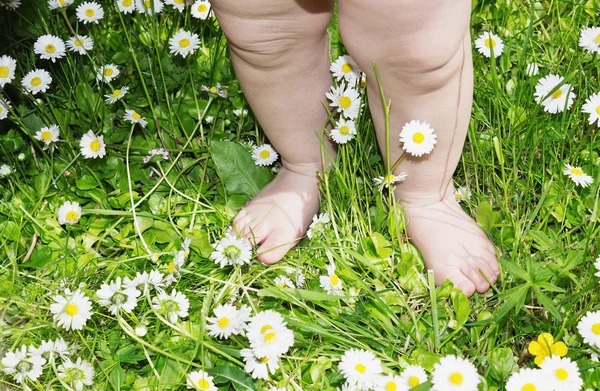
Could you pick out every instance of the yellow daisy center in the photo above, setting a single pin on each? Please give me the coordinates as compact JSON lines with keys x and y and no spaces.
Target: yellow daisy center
{"x":214,"y":90}
{"x":184,"y":43}
{"x":136,"y":116}
{"x":1,"y":109}
{"x":3,"y":71}
{"x":389,"y":178}
{"x":78,"y":42}
{"x":347,"y":68}
{"x":344,"y":130}
{"x":270,"y":337}
{"x":334,"y":279}
{"x":178,"y":1}
{"x":360,"y":368}
{"x":46,"y":136}
{"x":557,"y":94}
{"x":598,"y":110}
{"x":265,"y":328}
{"x":36,"y":81}
{"x":345,"y":102}
{"x":263,"y":360}
{"x":72,"y":216}
{"x":391,"y":386}
{"x":116,"y":93}
{"x":71,"y":309}
{"x":171,"y":267}
{"x":223,"y":322}
{"x":529,"y":387}
{"x":490,"y":42}
{"x":596,"y":328}
{"x":561,"y":374}
{"x":418,"y":137}
{"x":264,"y":154}
{"x":127,"y":3}
{"x":576,"y":171}
{"x":456,"y":378}
{"x":202,"y":8}
{"x":95,"y":145}
{"x":597,"y":40}
{"x":458,"y":196}
{"x":108,"y":72}
{"x":89,"y":12}
{"x":203,"y":384}
{"x":148,"y":5}
{"x":413,"y":381}
{"x":50,"y":48}
{"x":61,"y":2}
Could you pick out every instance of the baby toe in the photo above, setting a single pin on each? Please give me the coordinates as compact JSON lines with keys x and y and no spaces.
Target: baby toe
{"x":472,"y":273}
{"x":275,"y":246}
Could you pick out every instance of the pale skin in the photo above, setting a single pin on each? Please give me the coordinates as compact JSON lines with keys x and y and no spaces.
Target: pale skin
{"x":422,"y":50}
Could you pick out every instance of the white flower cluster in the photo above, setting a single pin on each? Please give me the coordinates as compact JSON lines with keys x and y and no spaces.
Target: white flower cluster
{"x":28,"y":364}
{"x":231,"y":250}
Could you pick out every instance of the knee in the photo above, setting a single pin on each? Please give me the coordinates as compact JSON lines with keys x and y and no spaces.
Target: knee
{"x":270,"y":38}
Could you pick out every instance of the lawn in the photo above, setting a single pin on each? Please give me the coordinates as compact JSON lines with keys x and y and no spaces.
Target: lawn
{"x":122,"y":166}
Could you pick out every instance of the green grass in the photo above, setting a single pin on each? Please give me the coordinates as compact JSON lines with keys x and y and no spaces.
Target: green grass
{"x":546,"y":227}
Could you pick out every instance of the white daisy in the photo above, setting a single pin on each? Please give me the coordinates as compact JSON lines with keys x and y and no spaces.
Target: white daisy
{"x":488,"y":42}
{"x":22,"y":366}
{"x":345,"y":68}
{"x":77,"y":374}
{"x":413,"y":376}
{"x":283,"y":281}
{"x":390,"y":383}
{"x":149,"y":7}
{"x":184,"y":43}
{"x":258,"y":367}
{"x":5,"y":170}
{"x":268,"y":334}
{"x":4,"y":108}
{"x":454,"y":374}
{"x":116,"y":95}
{"x":71,"y":311}
{"x":185,"y":246}
{"x":318,"y":225}
{"x":343,"y":132}
{"x":116,"y":296}
{"x":528,"y":379}
{"x":532,"y":69}
{"x":162,"y":154}
{"x":11,"y":4}
{"x":228,"y":320}
{"x":48,"y":135}
{"x":240,"y":112}
{"x":173,"y":268}
{"x":179,"y":5}
{"x":49,"y":47}
{"x":418,"y":138}
{"x":90,"y":12}
{"x":141,"y":330}
{"x":217,"y":89}
{"x":299,"y":278}
{"x":55,"y":4}
{"x":92,"y":146}
{"x":264,"y":155}
{"x":145,"y":281}
{"x":331,"y":283}
{"x":135,"y":118}
{"x":597,"y":265}
{"x":346,"y":99}
{"x":592,"y":107}
{"x":69,"y":213}
{"x":36,"y":81}
{"x":173,"y":306}
{"x":562,"y":373}
{"x":7,"y":70}
{"x":589,"y":39}
{"x":231,"y":251}
{"x":360,"y":368}
{"x":577,"y":175}
{"x":389,"y":180}
{"x":209,"y":119}
{"x":201,"y":9}
{"x":589,"y":328}
{"x":200,"y":380}
{"x":80,"y":44}
{"x":126,"y":6}
{"x":462,"y":193}
{"x":555,"y":102}
{"x":107,"y":73}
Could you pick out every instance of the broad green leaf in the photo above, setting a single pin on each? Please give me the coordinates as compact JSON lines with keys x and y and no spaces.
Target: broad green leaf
{"x":9,"y":231}
{"x":86,"y":182}
{"x":41,"y":256}
{"x":462,"y":308}
{"x":514,"y":269}
{"x":486,"y":217}
{"x":547,"y":303}
{"x":502,"y":363}
{"x":200,"y":241}
{"x":514,"y":296}
{"x":542,"y":241}
{"x":238,"y":378}
{"x":237,"y":170}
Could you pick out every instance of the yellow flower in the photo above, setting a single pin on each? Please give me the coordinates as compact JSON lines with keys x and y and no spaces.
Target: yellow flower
{"x":545,"y":347}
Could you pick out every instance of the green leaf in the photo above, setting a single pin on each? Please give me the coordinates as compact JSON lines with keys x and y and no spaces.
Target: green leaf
{"x":86,"y":182}
{"x":502,"y":363}
{"x":486,"y":217}
{"x":462,"y":308}
{"x":86,"y":98}
{"x":200,"y":241}
{"x":542,"y":241}
{"x":9,"y":231}
{"x":382,"y":246}
{"x":515,"y":296}
{"x":41,"y":256}
{"x":237,"y":170}
{"x":514,"y":269}
{"x":547,"y":303}
{"x":238,"y":379}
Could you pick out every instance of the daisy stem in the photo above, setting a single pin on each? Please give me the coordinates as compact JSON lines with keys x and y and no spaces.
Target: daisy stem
{"x":65,"y":169}
{"x":386,"y":112}
{"x":434,"y":310}
{"x":60,"y":380}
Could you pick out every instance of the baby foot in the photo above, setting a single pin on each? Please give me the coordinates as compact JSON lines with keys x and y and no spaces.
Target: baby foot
{"x":279,"y":215}
{"x":452,"y":245}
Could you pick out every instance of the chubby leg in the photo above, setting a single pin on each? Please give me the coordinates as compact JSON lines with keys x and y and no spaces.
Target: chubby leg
{"x":422,"y":50}
{"x":279,"y":52}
